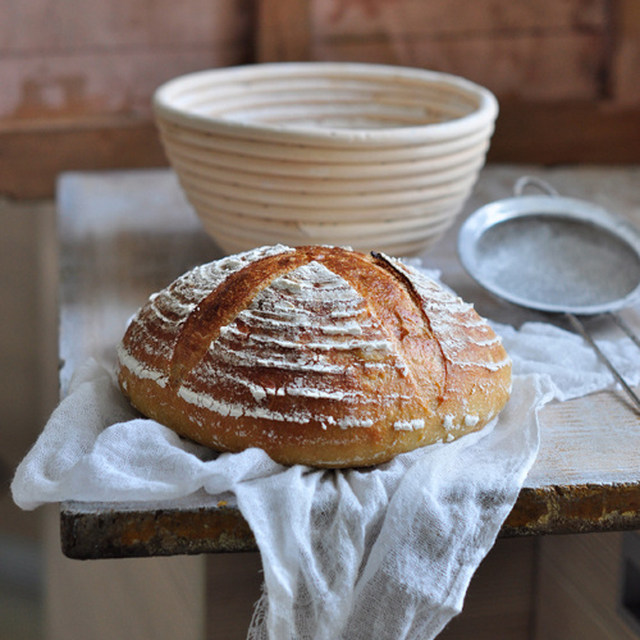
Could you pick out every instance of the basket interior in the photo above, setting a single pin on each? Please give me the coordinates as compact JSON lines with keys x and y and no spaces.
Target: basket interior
{"x":324,"y":101}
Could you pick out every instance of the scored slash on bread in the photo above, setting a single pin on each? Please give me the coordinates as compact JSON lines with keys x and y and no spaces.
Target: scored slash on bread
{"x":318,"y":355}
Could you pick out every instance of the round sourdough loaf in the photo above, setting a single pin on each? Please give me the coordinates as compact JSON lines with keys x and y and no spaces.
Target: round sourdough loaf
{"x":318,"y":355}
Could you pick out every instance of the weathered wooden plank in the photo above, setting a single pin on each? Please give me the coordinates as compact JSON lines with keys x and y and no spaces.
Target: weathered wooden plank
{"x":540,"y":51}
{"x":574,"y":132}
{"x":91,"y":531}
{"x":45,"y":27}
{"x":61,"y":59}
{"x":363,"y":18}
{"x":553,"y":68}
{"x":104,"y":84}
{"x":95,"y":530}
{"x":586,"y":477}
{"x":32,"y":158}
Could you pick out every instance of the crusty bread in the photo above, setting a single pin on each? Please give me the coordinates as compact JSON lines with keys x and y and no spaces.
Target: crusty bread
{"x":318,"y":355}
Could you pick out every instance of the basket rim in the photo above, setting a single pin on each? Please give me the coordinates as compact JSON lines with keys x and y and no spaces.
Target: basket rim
{"x":486,"y":112}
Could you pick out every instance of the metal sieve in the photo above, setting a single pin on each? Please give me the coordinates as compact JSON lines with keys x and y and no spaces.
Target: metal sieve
{"x":557,"y":255}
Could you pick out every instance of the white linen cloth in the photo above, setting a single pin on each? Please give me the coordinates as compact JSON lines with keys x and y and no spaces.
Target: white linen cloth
{"x":384,"y":553}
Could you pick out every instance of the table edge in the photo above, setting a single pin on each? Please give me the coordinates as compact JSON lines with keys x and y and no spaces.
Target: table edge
{"x":110,"y":531}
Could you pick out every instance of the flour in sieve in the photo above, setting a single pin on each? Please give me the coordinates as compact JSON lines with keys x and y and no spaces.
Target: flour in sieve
{"x":557,"y":262}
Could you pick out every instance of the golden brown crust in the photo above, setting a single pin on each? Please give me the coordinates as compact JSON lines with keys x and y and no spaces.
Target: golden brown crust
{"x":318,"y":355}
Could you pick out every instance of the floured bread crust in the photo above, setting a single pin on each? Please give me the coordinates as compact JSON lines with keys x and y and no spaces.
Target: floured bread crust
{"x":318,"y":355}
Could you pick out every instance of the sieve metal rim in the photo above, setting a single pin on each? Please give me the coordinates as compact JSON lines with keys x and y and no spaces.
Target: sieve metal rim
{"x":550,"y":206}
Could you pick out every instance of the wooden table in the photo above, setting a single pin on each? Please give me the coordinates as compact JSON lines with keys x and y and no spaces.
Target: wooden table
{"x":124,"y":235}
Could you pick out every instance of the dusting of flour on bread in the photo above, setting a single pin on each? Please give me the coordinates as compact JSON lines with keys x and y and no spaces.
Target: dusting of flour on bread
{"x":319,"y":355}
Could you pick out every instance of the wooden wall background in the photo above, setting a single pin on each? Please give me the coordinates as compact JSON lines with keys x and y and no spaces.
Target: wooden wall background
{"x":77,"y":76}
{"x":76,"y":79}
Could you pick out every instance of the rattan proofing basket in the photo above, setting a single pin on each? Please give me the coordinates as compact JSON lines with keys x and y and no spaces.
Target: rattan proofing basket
{"x":372,"y":156}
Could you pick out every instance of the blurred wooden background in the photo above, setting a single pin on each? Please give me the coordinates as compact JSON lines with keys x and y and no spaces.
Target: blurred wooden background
{"x":77,"y":77}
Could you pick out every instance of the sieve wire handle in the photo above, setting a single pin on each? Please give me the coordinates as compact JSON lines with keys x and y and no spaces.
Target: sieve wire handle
{"x":581,"y":329}
{"x":625,"y":327}
{"x":525,"y":181}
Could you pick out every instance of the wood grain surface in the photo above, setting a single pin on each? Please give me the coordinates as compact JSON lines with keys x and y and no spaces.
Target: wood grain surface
{"x":126,"y":234}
